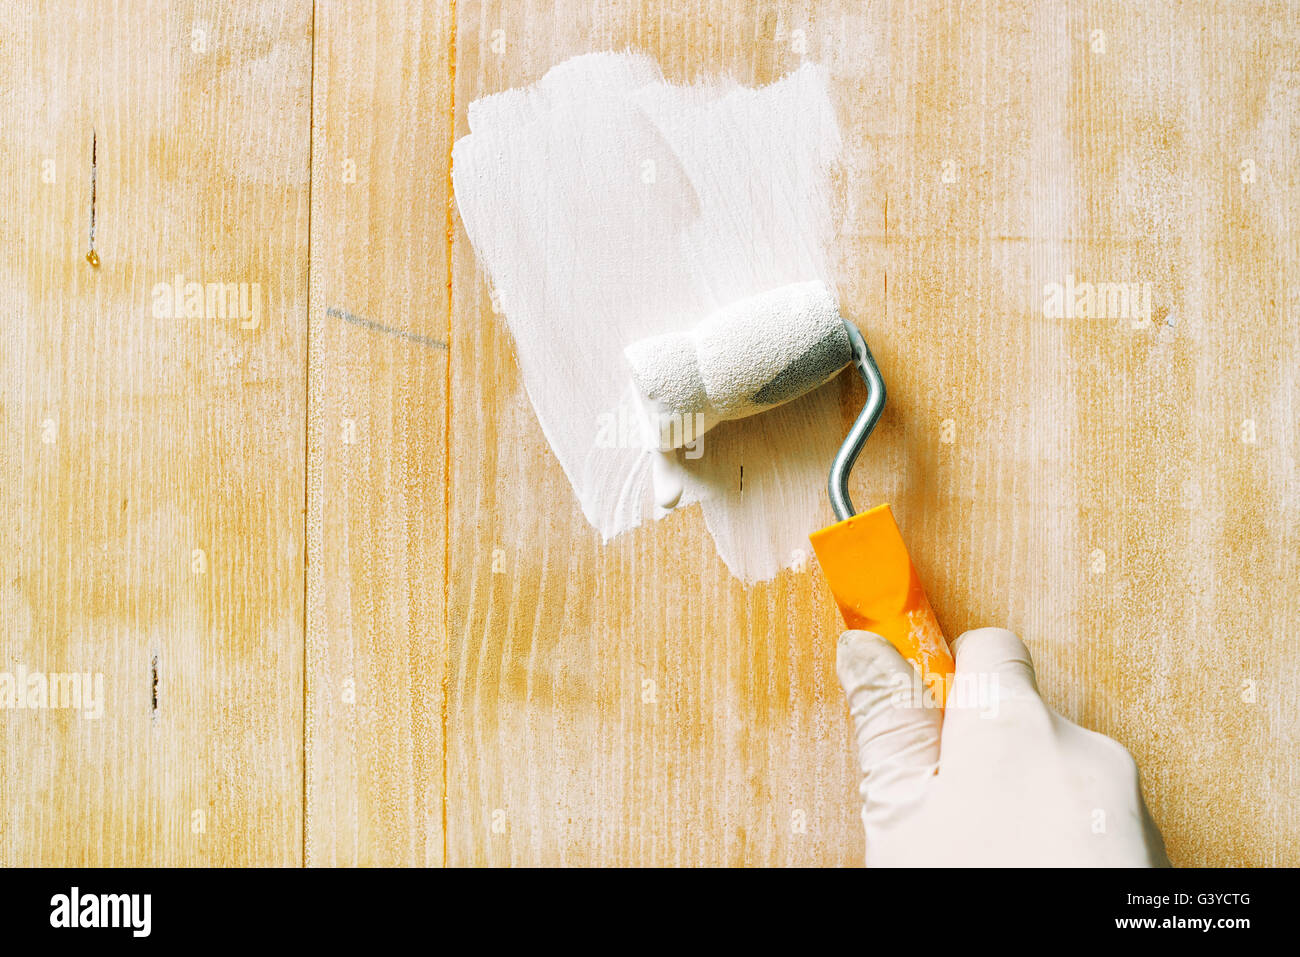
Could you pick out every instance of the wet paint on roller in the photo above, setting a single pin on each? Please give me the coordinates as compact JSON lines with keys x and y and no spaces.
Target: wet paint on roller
{"x":746,"y":358}
{"x":607,"y":205}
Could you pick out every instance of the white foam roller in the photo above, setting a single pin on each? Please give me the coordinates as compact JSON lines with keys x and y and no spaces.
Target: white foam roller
{"x":746,"y":358}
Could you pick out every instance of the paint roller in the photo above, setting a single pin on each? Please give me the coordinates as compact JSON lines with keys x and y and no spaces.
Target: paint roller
{"x":757,"y":354}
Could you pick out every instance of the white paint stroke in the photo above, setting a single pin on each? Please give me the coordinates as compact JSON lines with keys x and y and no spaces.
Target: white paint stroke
{"x":606,"y":205}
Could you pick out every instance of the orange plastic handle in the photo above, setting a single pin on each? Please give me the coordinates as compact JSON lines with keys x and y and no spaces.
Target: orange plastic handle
{"x":876,"y":586}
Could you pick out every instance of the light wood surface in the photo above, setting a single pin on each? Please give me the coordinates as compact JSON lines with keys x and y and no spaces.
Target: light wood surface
{"x":406,"y":646}
{"x":378,"y":434}
{"x":151,"y":517}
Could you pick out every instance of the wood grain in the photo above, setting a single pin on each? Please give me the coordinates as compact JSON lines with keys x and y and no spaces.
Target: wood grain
{"x":486,"y":682}
{"x":1105,"y":495}
{"x":378,"y":433}
{"x":151,"y":519}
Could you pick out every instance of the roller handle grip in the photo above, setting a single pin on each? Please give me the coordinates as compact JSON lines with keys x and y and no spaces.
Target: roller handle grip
{"x":871,"y":575}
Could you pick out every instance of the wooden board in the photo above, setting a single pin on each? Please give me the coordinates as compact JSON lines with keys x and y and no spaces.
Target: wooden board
{"x":377,"y":538}
{"x":485,"y":681}
{"x":628,"y":703}
{"x":151,"y":520}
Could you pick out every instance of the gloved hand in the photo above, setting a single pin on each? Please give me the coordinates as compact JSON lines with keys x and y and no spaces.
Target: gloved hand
{"x":996,"y":779}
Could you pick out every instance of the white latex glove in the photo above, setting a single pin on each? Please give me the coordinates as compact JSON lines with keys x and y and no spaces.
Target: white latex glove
{"x":998,"y":779}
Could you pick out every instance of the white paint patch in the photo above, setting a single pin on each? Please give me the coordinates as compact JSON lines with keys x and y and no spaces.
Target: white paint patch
{"x":607,"y":205}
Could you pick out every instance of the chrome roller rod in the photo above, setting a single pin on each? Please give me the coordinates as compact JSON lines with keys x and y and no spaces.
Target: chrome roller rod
{"x":838,"y":483}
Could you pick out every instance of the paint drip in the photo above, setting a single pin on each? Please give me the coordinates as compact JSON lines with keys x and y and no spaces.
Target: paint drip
{"x":608,"y":205}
